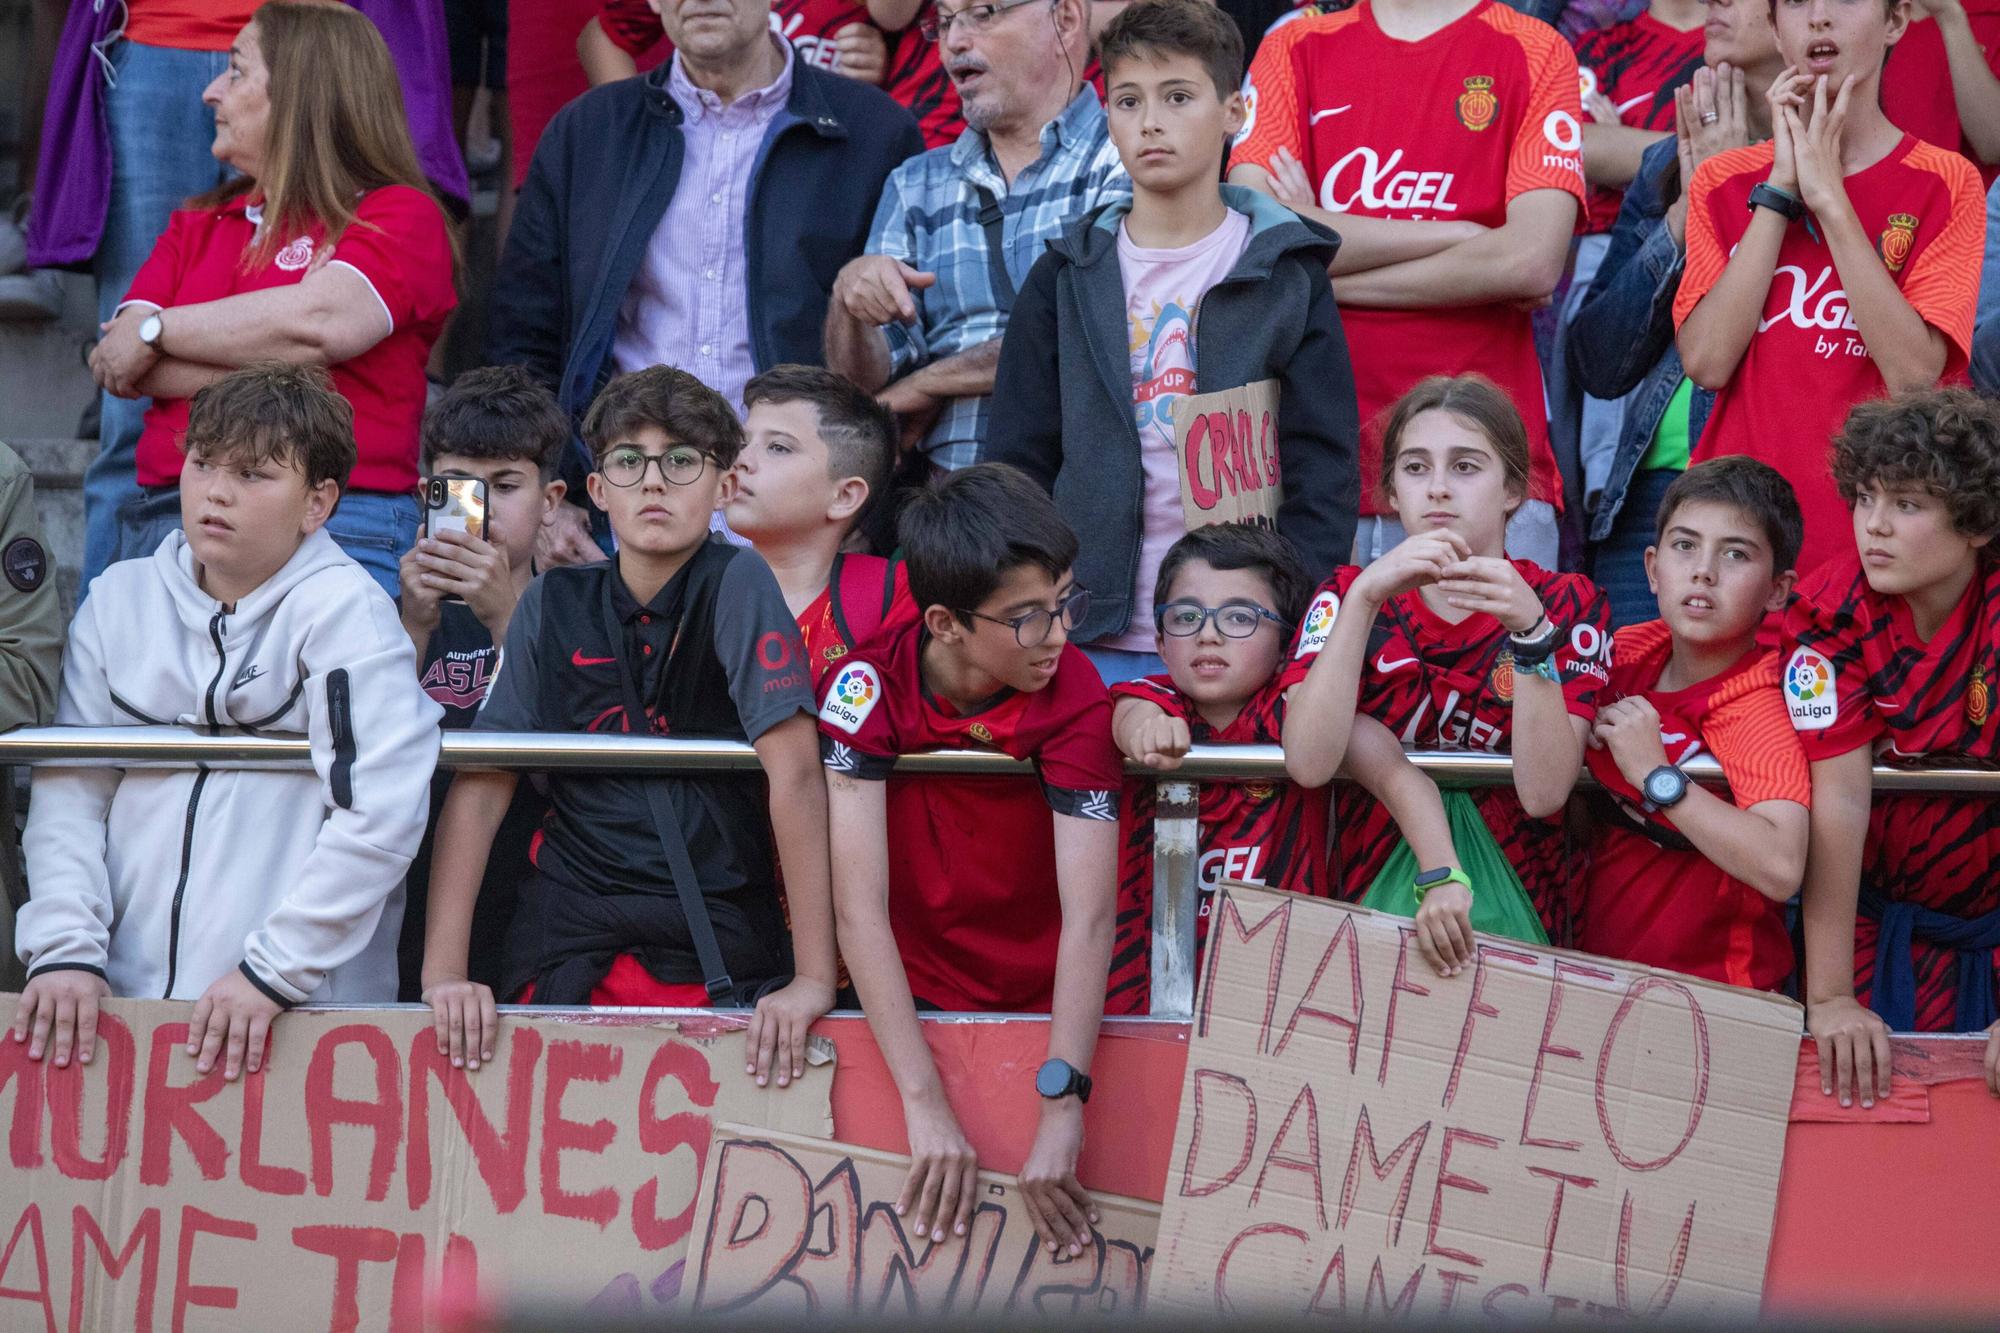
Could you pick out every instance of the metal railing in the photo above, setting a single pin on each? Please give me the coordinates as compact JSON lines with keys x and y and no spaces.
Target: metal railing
{"x":1176,"y":828}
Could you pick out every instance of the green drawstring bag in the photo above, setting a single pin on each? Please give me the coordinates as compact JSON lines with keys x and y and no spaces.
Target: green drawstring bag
{"x":1500,"y":906}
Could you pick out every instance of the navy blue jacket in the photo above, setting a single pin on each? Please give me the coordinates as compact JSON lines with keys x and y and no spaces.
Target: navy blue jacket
{"x":601,"y":180}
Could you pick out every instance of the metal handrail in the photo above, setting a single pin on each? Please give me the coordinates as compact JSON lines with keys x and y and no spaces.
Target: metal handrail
{"x":1176,"y":820}
{"x":174,"y":747}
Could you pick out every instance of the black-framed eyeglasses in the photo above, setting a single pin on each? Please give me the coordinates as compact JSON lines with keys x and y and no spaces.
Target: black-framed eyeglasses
{"x":1031,"y":630}
{"x":977,"y":18}
{"x":627,"y":466}
{"x":1237,"y":620}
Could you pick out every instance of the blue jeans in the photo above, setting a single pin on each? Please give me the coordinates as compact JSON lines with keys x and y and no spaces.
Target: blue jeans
{"x":160,"y":136}
{"x":1116,"y":664}
{"x":1618,"y":563}
{"x":373,"y":528}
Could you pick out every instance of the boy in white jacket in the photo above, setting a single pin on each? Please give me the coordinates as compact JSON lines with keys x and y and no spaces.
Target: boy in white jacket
{"x":249,"y":891}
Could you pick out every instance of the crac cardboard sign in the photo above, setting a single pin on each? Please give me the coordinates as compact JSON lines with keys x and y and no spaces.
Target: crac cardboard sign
{"x":1227,"y":443}
{"x":1545,"y":1131}
{"x":335,"y":1188}
{"x":788,"y":1226}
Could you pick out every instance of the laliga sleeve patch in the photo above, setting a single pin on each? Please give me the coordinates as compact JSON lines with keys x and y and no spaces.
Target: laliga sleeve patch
{"x":855,"y":691}
{"x":1318,"y":624}
{"x":26,"y":564}
{"x":1809,"y":691}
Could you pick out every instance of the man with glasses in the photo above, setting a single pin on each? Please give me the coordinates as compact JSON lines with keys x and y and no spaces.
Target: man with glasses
{"x":979,"y":894}
{"x":695,"y":218}
{"x":918,"y":318}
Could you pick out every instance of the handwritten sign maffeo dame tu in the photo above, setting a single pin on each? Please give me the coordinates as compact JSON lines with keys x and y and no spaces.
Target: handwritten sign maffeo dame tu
{"x":1545,"y":1131}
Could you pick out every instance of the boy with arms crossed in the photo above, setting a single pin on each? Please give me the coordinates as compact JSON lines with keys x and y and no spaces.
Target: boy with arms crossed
{"x":676,"y":636}
{"x":1682,"y":877}
{"x":1000,"y":897}
{"x":1894,"y":650}
{"x":247,"y":891}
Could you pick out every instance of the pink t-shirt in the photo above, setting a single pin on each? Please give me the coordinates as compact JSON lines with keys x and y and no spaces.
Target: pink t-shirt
{"x":1163,"y":291}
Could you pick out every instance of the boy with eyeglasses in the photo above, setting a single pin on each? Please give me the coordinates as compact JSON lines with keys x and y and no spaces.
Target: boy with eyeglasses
{"x":979,"y":893}
{"x":650,"y":889}
{"x":1224,"y":606}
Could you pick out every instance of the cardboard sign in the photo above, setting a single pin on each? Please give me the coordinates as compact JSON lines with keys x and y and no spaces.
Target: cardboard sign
{"x":338,"y":1186}
{"x":1227,"y":443}
{"x":789,"y":1226}
{"x":1545,"y":1131}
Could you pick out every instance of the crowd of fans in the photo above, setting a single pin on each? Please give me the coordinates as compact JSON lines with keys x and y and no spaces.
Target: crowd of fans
{"x":835,"y":367}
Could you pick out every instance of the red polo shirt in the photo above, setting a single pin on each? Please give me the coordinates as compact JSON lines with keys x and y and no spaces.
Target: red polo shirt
{"x":399,"y":246}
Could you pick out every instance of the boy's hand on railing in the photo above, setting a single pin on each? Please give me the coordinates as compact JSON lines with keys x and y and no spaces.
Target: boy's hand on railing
{"x":944,"y":1171}
{"x":1444,"y":928}
{"x":1853,"y":1046}
{"x":232,"y":1022}
{"x":777,"y":1037}
{"x":1159,"y":742}
{"x":63,"y":1004}
{"x":465,"y":1018}
{"x":1057,"y":1203}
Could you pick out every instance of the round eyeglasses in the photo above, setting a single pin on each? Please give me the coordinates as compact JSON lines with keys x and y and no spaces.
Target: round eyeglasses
{"x":627,"y":467}
{"x":1031,"y":630}
{"x":1238,"y":620}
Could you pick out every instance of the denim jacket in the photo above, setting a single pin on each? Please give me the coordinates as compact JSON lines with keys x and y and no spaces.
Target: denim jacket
{"x":1985,"y":365}
{"x":1621,"y":344}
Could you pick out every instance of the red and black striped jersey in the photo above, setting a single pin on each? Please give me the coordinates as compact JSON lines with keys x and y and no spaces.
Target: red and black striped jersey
{"x":1270,"y":833}
{"x":1444,"y":686}
{"x":1858,"y":673}
{"x":1636,"y":65}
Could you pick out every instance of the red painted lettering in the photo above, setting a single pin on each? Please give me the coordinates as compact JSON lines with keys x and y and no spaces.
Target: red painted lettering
{"x":1336,"y":1273}
{"x":1621,"y":1264}
{"x":662,"y":1135}
{"x":1698,"y":1094}
{"x":383,"y":1114}
{"x":250,"y":1164}
{"x":576,"y":1062}
{"x":1544,"y":1051}
{"x":65,"y":1092}
{"x":194,"y":1225}
{"x":144,"y":1243}
{"x":169,"y":1112}
{"x":1399,"y":985}
{"x":1223,"y":1304}
{"x":1364,"y":1141}
{"x":349,"y":1248}
{"x":24,"y":1137}
{"x":1228,"y":920}
{"x":1351,"y":1021}
{"x":1308,"y":1162}
{"x":1203,"y":1079}
{"x":1378,"y":1290}
{"x":1206,"y":492}
{"x":1448,"y":1179}
{"x":1452,"y":1280}
{"x":406,"y":1286}
{"x":501,"y":1156}
{"x":30,"y":1224}
{"x":1563,"y":1181}
{"x":1476,"y":1008}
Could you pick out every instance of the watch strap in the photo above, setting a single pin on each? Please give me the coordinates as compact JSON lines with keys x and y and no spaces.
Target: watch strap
{"x":1680,"y":791}
{"x":1542,"y":646}
{"x":1782,"y":202}
{"x":1437,"y":879}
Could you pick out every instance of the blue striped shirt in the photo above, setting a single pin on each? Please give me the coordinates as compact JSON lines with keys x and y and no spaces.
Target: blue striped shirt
{"x":929,"y":219}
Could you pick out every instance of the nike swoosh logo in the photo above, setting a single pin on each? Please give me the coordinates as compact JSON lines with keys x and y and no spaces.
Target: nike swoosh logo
{"x":1631,"y":102}
{"x":1318,"y":116}
{"x":578,"y":659}
{"x":1385,"y":666}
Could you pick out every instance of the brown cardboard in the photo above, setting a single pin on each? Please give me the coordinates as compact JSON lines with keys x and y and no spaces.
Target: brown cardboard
{"x":1545,"y":1131}
{"x":788,"y":1226}
{"x":1227,"y":444}
{"x":334,"y":1188}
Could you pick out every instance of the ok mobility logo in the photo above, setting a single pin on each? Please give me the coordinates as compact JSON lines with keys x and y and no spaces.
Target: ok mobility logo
{"x":1809,"y":692}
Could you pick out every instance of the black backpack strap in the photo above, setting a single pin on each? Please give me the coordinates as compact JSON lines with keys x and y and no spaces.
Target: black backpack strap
{"x":992,"y":221}
{"x":667,"y":828}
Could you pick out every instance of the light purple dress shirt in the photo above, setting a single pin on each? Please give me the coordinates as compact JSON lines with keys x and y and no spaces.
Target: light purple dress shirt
{"x":689,"y":306}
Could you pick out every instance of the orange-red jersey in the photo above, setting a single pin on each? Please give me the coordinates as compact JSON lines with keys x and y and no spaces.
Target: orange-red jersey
{"x":1650,"y":897}
{"x":1455,"y":126}
{"x":1806,"y":365}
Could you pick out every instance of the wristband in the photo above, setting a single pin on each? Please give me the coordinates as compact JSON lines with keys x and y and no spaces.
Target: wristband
{"x":1782,"y":202}
{"x":1436,"y":879}
{"x":1539,"y":648}
{"x":1545,"y":668}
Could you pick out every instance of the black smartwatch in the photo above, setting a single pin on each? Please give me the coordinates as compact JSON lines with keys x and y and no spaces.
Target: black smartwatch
{"x":1664,"y":787}
{"x":1783,"y":202}
{"x":1060,"y":1078}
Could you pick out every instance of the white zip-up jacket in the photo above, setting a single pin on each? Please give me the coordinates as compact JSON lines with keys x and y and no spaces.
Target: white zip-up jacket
{"x":164,"y":880}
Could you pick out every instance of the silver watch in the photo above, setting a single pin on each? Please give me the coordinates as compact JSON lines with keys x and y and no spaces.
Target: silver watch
{"x":150,"y":329}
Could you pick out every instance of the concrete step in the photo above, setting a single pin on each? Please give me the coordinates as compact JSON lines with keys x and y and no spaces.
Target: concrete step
{"x":44,"y":383}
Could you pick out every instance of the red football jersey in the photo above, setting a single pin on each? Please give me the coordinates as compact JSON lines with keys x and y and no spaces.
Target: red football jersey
{"x":1650,"y":897}
{"x":1917,"y":91}
{"x":972,"y":874}
{"x":1271,"y":833}
{"x":864,"y":596}
{"x":1806,"y":365}
{"x":1637,"y":65}
{"x":1441,"y":686}
{"x":1454,"y":126}
{"x":1857,"y":673}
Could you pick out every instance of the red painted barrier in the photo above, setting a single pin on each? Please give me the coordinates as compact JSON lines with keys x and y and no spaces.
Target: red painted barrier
{"x":1895,"y":1211}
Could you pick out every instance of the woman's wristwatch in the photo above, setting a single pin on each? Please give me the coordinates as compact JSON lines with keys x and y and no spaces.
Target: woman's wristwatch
{"x":152,"y":329}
